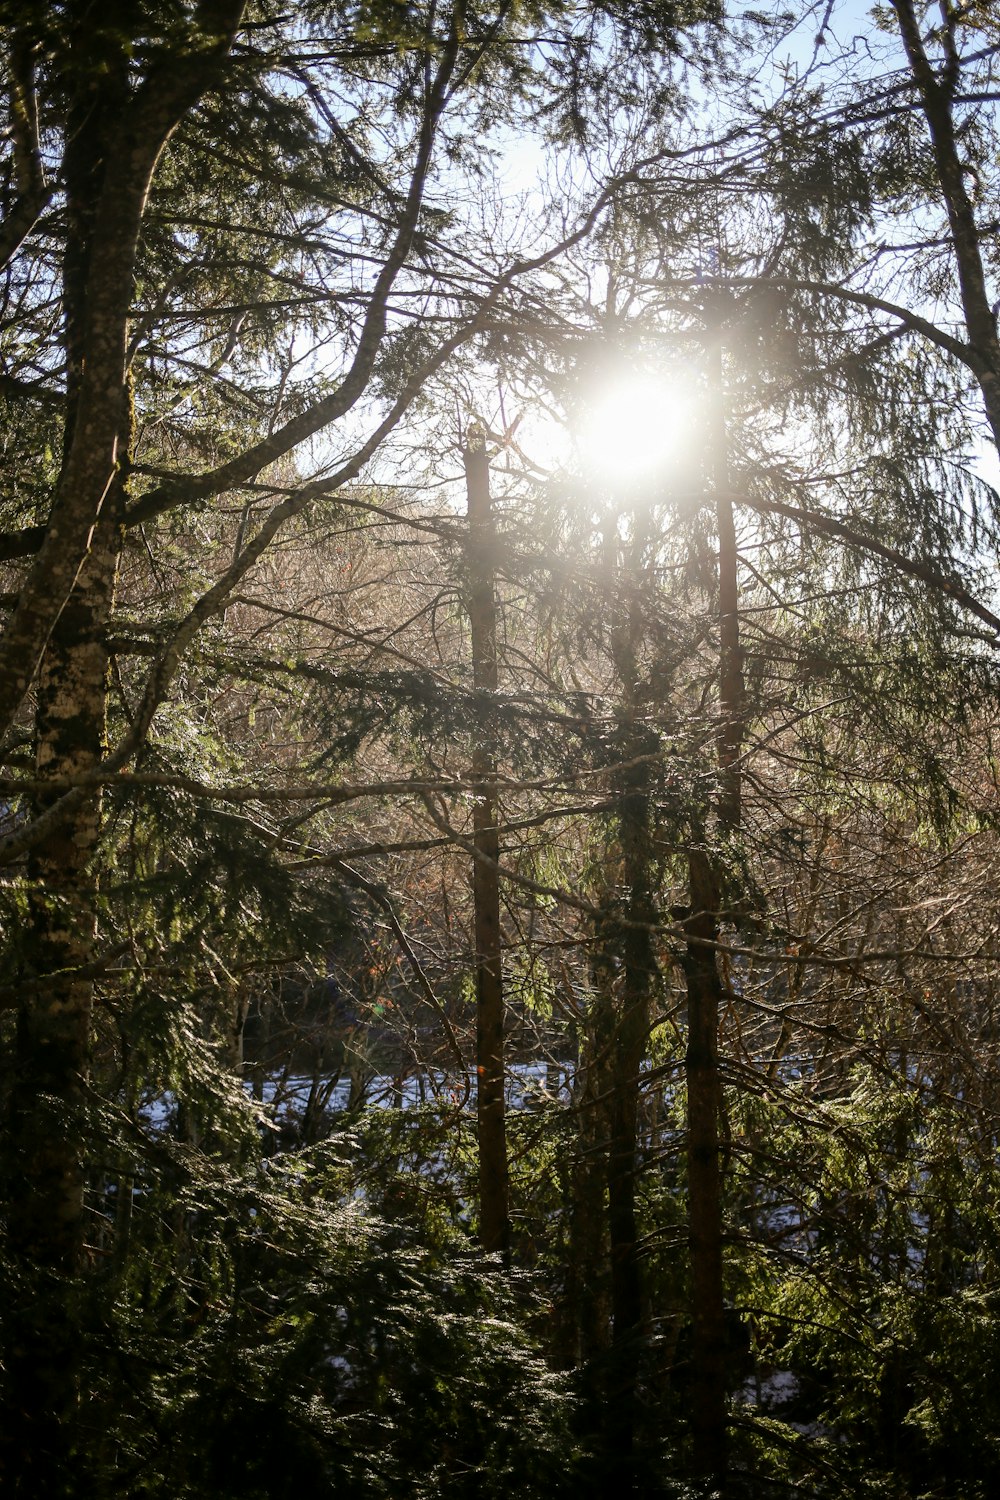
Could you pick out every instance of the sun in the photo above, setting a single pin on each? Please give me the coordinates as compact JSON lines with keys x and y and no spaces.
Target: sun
{"x":633,"y":426}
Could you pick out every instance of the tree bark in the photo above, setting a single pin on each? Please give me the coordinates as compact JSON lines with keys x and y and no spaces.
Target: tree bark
{"x":937,"y":89}
{"x":144,"y":120}
{"x":47,"y":1121}
{"x":494,"y":1182}
{"x":587,"y":1286}
{"x":628,"y":939}
{"x":42,"y":1448}
{"x":704,"y":1095}
{"x":704,"y":984}
{"x":631,"y":1033}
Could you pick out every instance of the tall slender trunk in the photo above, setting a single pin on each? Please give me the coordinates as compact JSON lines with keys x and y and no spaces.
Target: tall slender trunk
{"x":705,"y":1232}
{"x":494,"y":1180}
{"x":937,"y":88}
{"x":704,"y":984}
{"x":41,"y":1449}
{"x":631,"y":1034}
{"x":731,"y":730}
{"x":47,"y":1117}
{"x":115,"y":135}
{"x":629,"y":937}
{"x":586,"y":1291}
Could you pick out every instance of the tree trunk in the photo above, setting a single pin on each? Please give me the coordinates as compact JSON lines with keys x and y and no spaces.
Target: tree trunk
{"x":586,"y":1294}
{"x":628,"y":938}
{"x":704,"y":984}
{"x":937,"y":89}
{"x":628,"y":1048}
{"x":704,"y":1096}
{"x":115,"y":137}
{"x":46,"y":1125}
{"x":47,"y":1120}
{"x":494,"y":1186}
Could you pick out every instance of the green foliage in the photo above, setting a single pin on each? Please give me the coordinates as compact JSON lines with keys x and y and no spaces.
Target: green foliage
{"x":271,"y":1335}
{"x":877,"y":1291}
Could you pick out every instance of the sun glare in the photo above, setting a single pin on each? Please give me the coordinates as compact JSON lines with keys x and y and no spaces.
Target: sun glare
{"x":633,"y":427}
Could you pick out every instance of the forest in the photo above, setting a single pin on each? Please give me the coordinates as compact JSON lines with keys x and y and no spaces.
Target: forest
{"x":499,"y":722}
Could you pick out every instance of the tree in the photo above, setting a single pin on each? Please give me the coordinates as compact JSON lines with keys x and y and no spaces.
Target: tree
{"x":834,"y":377}
{"x":493,"y":1167}
{"x":128,"y":163}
